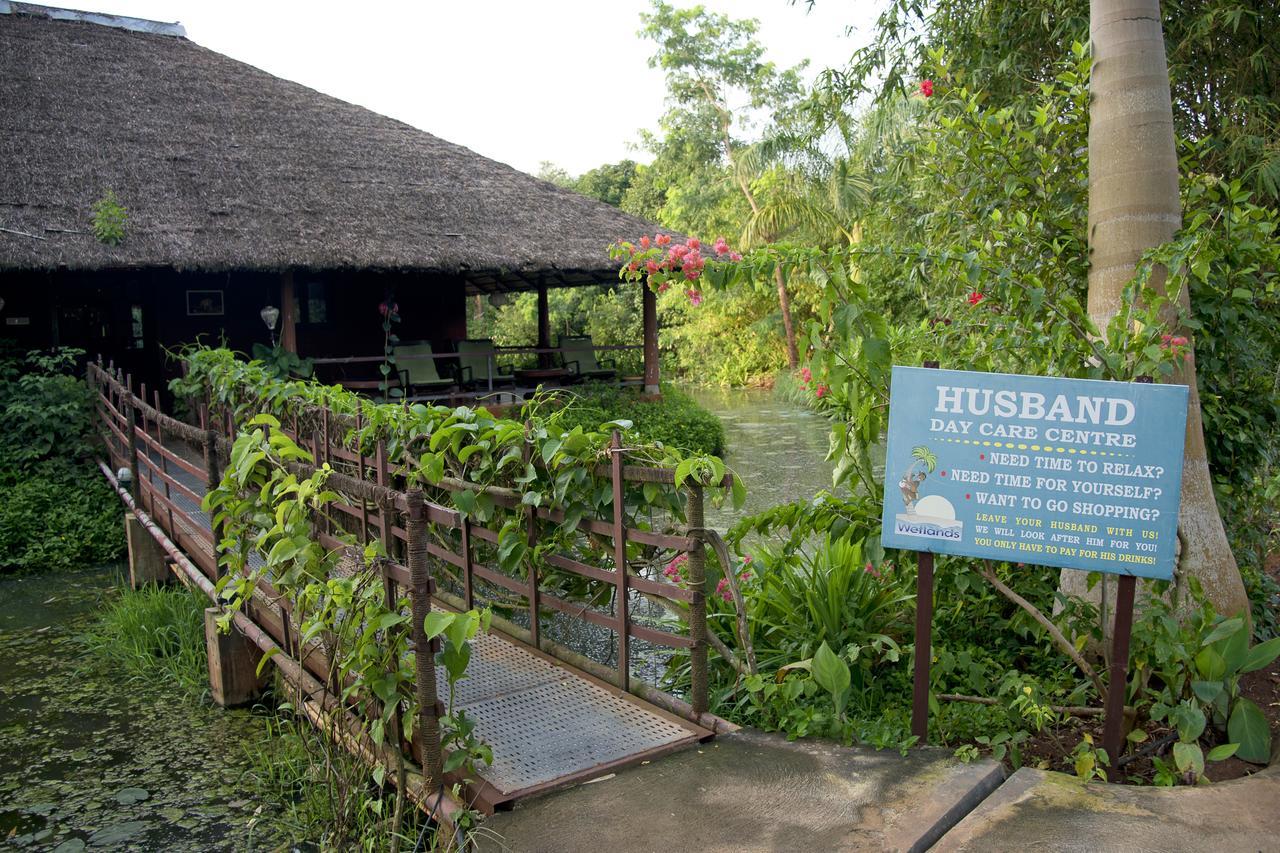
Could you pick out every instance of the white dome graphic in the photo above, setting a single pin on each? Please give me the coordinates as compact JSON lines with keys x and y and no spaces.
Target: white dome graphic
{"x":935,"y":506}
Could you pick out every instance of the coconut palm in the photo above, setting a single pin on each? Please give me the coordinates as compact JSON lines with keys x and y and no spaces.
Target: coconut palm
{"x":925,"y":456}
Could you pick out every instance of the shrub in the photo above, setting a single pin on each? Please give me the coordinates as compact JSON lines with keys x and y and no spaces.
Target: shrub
{"x":56,"y":511}
{"x":675,"y":420}
{"x":60,"y":514}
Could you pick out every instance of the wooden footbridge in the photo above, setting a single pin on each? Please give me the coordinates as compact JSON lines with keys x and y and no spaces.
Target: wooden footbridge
{"x":552,"y":714}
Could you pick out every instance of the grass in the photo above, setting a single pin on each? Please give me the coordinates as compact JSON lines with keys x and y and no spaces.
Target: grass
{"x":309,"y":788}
{"x":155,"y":632}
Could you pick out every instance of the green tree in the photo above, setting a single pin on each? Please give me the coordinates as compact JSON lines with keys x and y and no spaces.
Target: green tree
{"x":1223,"y":63}
{"x":718,"y":80}
{"x":609,"y":182}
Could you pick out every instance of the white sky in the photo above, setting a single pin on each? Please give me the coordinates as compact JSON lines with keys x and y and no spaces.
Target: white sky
{"x":521,"y":81}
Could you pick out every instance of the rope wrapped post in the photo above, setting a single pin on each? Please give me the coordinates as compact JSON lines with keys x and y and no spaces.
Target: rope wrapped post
{"x":697,"y":582}
{"x":130,"y":424}
{"x":620,"y":561}
{"x":213,"y":471}
{"x":423,"y":653}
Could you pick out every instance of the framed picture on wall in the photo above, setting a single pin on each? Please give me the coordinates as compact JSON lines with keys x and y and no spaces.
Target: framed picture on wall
{"x":204,"y":303}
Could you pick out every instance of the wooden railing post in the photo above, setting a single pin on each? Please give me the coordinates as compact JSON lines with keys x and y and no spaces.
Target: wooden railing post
{"x":697,"y":582}
{"x":428,"y":733}
{"x":621,"y":607}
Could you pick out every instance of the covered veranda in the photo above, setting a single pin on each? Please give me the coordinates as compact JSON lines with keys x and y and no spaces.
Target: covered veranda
{"x":432,"y":365}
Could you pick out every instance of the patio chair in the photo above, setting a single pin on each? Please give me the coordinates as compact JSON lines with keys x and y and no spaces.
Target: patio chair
{"x":579,"y":355}
{"x":478,"y":367}
{"x":420,"y":373}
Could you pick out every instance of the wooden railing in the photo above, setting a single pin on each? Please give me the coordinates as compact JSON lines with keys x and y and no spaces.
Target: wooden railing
{"x":428,"y":545}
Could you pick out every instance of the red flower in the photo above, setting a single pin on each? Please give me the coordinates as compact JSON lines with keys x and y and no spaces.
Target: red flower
{"x":975,"y":297}
{"x":694,"y":242}
{"x":806,"y":374}
{"x":644,"y":242}
{"x":926,"y":88}
{"x":821,"y":391}
{"x":662,"y":239}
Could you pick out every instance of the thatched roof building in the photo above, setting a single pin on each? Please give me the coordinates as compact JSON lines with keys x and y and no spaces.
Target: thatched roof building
{"x":223,"y":166}
{"x":227,"y":171}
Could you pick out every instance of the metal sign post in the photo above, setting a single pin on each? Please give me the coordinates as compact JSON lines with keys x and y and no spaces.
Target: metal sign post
{"x":1073,"y":473}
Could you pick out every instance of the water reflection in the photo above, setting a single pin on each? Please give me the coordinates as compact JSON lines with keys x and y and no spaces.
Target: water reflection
{"x":777,"y":448}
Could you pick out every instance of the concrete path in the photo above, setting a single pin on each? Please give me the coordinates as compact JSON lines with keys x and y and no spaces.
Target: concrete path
{"x":754,"y":792}
{"x":1041,"y":810}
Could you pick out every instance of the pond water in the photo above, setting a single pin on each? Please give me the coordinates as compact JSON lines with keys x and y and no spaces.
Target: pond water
{"x":778,"y":449}
{"x":90,"y":759}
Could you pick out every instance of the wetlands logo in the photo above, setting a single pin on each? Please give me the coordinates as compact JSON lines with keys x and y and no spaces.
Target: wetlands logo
{"x":928,"y":517}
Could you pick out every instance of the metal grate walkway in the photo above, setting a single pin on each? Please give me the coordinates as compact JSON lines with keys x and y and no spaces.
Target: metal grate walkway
{"x":549,"y":726}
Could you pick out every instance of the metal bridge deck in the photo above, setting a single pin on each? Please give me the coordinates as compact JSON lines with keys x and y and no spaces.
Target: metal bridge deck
{"x":549,"y":725}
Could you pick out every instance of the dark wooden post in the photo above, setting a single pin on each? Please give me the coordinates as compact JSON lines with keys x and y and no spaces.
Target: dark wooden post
{"x":651,"y":376}
{"x":1118,"y":676}
{"x":428,"y":733}
{"x":924,"y":640}
{"x":621,"y":608}
{"x":288,"y":322}
{"x":924,"y":648}
{"x":544,"y":327}
{"x":698,"y":606}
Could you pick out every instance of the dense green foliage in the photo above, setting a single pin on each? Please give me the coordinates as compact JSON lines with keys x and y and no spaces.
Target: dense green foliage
{"x":56,"y":509}
{"x":1224,"y":67}
{"x":674,"y":420}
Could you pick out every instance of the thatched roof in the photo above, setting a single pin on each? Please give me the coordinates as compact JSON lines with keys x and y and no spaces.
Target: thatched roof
{"x":222,"y":166}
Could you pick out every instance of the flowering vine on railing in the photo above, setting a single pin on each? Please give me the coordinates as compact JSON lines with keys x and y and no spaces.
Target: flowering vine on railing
{"x":659,"y":262}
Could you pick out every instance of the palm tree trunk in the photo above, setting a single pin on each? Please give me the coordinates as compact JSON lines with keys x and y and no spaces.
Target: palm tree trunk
{"x":784,"y":302}
{"x":1134,"y":206}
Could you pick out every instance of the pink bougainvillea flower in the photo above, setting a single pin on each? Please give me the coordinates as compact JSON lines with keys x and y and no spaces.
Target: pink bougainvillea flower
{"x":734,"y":256}
{"x":721,"y":246}
{"x":926,"y":88}
{"x":693,"y":243}
{"x":644,"y":242}
{"x":663,"y":287}
{"x":975,"y":297}
{"x":692,"y":273}
{"x":662,"y":239}
{"x":695,"y":297}
{"x":722,"y":588}
{"x":821,"y":391}
{"x":871,"y":570}
{"x":633,"y":266}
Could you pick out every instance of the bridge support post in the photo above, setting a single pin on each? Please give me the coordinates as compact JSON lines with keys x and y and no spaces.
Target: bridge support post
{"x":147,"y":563}
{"x":233,"y":663}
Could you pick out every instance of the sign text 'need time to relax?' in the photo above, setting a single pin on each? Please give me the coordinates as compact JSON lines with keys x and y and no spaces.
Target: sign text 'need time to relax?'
{"x":1077,"y":473}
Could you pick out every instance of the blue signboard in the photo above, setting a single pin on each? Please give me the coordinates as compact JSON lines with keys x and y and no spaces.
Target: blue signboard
{"x":1076,"y":473}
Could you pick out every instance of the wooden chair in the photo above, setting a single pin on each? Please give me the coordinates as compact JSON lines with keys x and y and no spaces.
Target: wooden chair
{"x":419,"y":369}
{"x":579,"y":355}
{"x":478,"y":367}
